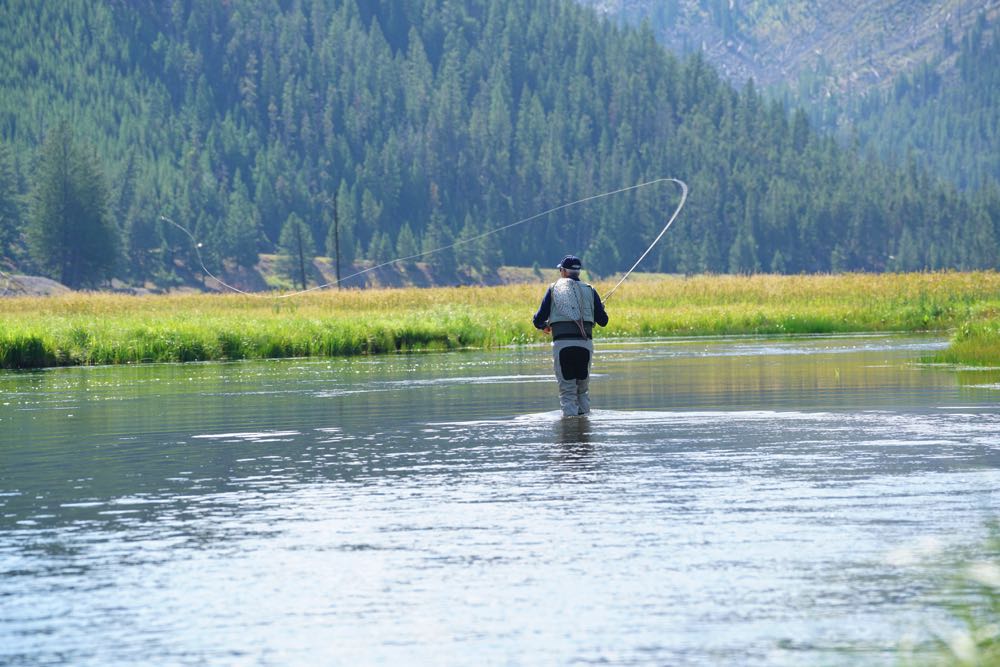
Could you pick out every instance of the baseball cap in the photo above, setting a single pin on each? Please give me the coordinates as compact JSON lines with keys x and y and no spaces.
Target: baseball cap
{"x":570,"y":263}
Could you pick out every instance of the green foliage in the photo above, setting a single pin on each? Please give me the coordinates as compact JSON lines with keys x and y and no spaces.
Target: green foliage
{"x":70,"y":233}
{"x":602,"y":255}
{"x":977,"y":341}
{"x":439,"y":246}
{"x":10,"y":205}
{"x":451,"y":119}
{"x":241,"y":225}
{"x":296,"y":250}
{"x":19,"y":350}
{"x":406,"y":245}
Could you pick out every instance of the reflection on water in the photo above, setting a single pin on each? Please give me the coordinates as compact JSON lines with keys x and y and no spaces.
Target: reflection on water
{"x":731,"y":501}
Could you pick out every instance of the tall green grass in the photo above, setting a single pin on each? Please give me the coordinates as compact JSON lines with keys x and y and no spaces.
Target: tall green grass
{"x":975,"y":342}
{"x":117,"y":329}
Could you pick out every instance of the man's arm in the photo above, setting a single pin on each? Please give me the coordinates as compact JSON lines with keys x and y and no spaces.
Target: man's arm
{"x":600,"y":315}
{"x":541,"y":318}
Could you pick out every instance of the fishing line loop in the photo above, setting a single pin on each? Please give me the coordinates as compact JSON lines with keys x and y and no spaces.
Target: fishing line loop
{"x":677,"y":211}
{"x":684,"y":192}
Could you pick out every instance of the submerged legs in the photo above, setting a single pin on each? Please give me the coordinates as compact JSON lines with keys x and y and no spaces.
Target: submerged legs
{"x":571,"y":362}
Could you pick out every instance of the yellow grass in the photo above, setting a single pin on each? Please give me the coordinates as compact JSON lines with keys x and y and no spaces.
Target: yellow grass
{"x":106,"y":328}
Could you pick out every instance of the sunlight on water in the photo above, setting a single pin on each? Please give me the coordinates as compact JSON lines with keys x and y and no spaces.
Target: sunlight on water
{"x":740,"y":501}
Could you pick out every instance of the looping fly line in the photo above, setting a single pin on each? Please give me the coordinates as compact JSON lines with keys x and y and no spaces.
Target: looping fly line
{"x":684,"y":193}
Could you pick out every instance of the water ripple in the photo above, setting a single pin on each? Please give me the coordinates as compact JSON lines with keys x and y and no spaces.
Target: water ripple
{"x":743,"y":502}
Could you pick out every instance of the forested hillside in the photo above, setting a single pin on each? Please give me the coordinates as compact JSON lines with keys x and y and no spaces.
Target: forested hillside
{"x":383,"y":128}
{"x":947,"y":119}
{"x":814,"y":48}
{"x":902,"y":77}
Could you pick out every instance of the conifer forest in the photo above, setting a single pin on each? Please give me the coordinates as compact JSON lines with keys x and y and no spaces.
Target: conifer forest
{"x":369,"y":130}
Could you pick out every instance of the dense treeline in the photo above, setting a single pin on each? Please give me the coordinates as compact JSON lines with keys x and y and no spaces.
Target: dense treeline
{"x":380,"y":129}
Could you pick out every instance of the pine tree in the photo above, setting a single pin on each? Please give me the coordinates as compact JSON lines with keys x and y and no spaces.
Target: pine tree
{"x":469,"y":251}
{"x":241,"y":226}
{"x":70,"y":233}
{"x":490,"y":251}
{"x":380,"y":248}
{"x":340,"y":239}
{"x":602,"y":256}
{"x":10,"y":206}
{"x":907,"y":257}
{"x":407,"y":247}
{"x":743,"y":257}
{"x":371,"y":212}
{"x":142,"y":238}
{"x":296,"y":250}
{"x":437,"y":240}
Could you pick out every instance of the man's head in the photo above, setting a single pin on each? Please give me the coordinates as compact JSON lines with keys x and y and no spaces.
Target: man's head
{"x":570,"y":266}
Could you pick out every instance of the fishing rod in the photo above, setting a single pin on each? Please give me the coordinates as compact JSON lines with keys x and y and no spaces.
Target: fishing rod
{"x":684,"y":191}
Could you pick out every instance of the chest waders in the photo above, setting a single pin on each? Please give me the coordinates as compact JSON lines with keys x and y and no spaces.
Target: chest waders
{"x":573,"y":301}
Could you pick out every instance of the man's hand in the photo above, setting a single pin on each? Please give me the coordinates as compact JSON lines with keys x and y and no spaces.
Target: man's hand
{"x":547,"y":330}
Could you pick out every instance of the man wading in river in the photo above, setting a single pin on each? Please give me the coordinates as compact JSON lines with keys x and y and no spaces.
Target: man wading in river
{"x":569,"y":311}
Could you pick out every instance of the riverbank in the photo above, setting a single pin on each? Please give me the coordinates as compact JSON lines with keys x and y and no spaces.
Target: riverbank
{"x":80,"y":329}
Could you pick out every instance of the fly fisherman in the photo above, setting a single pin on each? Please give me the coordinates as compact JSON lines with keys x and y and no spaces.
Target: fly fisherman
{"x":568,"y":311}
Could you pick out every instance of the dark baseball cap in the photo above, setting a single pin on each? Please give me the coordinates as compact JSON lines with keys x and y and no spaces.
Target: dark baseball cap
{"x":570,"y":263}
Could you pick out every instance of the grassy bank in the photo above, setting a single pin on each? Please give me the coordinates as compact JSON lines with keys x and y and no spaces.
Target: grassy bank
{"x":115,"y":329}
{"x":976,"y":342}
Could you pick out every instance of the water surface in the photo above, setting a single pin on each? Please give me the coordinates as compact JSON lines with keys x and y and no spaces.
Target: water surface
{"x":734,"y":501}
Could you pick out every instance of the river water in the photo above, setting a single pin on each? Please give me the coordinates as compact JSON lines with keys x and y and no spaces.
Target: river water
{"x":735,"y":501}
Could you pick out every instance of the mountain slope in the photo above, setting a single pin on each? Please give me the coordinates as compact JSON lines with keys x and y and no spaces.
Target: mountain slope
{"x":903,"y":78}
{"x":945,"y":119}
{"x":816,"y":48}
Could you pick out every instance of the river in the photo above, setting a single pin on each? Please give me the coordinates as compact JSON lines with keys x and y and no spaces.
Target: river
{"x":745,"y":501}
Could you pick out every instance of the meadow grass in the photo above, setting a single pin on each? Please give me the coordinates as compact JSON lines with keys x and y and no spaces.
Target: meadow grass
{"x":101,"y":328}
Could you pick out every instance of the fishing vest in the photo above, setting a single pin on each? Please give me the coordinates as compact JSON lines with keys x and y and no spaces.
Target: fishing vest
{"x":572,"y":301}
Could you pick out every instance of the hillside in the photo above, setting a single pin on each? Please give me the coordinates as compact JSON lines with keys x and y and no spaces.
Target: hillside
{"x":815,"y":48}
{"x":943,"y":116}
{"x":373,"y":130}
{"x":906,"y":79}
